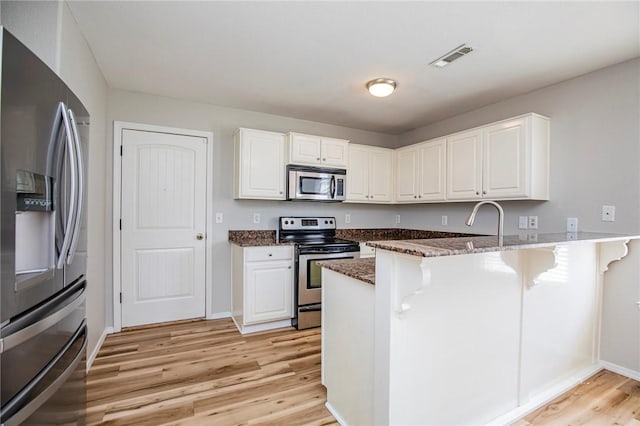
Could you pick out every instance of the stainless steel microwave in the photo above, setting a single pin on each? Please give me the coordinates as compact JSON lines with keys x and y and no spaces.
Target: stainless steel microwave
{"x":316,"y":183}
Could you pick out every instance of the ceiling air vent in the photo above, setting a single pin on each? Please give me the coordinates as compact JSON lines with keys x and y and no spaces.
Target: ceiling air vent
{"x":451,"y":56}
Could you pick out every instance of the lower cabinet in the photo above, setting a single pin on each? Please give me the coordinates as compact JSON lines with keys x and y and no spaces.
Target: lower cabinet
{"x":262,"y":281}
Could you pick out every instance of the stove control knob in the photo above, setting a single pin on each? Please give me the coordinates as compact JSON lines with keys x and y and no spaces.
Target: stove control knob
{"x":331,"y":222}
{"x":286,"y":222}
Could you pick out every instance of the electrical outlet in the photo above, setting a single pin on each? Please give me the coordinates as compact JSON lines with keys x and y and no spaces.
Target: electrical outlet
{"x":445,"y":220}
{"x":572,"y":224}
{"x":397,"y":219}
{"x":347,"y":218}
{"x":219,"y":217}
{"x":256,"y":218}
{"x":533,"y":222}
{"x":609,"y":213}
{"x":523,"y":222}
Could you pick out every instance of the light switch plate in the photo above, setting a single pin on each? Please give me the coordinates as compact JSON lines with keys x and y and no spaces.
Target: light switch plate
{"x":445,"y":220}
{"x":523,"y":222}
{"x":256,"y":218}
{"x":533,"y":222}
{"x":219,"y":217}
{"x":572,"y":224}
{"x":347,"y":218}
{"x":397,"y":219}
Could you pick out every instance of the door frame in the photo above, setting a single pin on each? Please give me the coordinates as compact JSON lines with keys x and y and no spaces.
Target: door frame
{"x":118,"y":127}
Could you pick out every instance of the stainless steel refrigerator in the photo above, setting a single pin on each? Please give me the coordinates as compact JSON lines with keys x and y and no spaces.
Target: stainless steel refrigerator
{"x":43,"y":249}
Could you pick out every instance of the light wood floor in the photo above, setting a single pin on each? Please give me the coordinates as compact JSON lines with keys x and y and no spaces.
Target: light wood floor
{"x":206,"y":373}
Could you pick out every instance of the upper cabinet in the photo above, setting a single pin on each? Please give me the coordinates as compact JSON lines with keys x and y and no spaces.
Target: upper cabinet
{"x":317,"y":150}
{"x":369,"y":174}
{"x":420,"y":172}
{"x":504,"y":160}
{"x":259,"y":168}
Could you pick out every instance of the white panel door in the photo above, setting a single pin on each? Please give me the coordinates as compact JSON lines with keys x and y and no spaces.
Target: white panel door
{"x":380,"y":174}
{"x":268,"y":291}
{"x":305,"y":149}
{"x":432,"y":170}
{"x":335,"y":152}
{"x":505,"y":159}
{"x":464,"y":166}
{"x":163,"y":227}
{"x":358,"y":173}
{"x":407,"y":174}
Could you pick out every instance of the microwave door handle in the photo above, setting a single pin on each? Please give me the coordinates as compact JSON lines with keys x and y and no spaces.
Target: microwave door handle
{"x":72,"y":193}
{"x":333,"y":187}
{"x":80,"y":188}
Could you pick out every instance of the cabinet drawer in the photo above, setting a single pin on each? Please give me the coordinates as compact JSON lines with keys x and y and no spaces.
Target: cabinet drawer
{"x":253,"y":254}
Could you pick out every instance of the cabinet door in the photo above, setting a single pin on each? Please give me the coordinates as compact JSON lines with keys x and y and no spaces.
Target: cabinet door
{"x":407,"y":174}
{"x":268,"y":291}
{"x":505,"y":159}
{"x":261,"y":164}
{"x":358,"y":173}
{"x":334,"y":152}
{"x":305,"y":149}
{"x":432,"y":170}
{"x":380,"y":175}
{"x":464,"y":166}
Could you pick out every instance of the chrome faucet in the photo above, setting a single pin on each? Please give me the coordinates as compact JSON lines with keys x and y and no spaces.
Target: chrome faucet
{"x":472,"y":217}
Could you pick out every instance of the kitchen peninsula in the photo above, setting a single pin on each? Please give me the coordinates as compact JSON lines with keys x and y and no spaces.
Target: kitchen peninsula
{"x":463,"y":330}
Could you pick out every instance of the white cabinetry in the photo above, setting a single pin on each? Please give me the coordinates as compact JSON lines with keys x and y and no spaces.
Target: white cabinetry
{"x":262,"y":296}
{"x":259,"y":171}
{"x":504,"y":160}
{"x":317,"y":150}
{"x":420,"y":172}
{"x":369,"y":174}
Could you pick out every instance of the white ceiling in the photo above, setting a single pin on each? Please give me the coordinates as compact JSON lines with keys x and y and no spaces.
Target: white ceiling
{"x":311,"y":60}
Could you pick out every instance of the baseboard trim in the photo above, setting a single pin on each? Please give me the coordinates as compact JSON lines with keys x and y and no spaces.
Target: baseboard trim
{"x":335,"y":414}
{"x":94,"y":353}
{"x":219,"y":315}
{"x":623,"y":371}
{"x":548,"y":395}
{"x":247,"y":329}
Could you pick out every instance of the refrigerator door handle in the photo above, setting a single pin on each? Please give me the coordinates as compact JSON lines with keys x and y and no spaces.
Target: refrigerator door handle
{"x":72,"y":193}
{"x":80,"y":188}
{"x":33,"y":405}
{"x":33,"y":330}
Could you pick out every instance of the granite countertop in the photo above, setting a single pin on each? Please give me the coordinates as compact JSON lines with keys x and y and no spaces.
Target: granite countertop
{"x":467,"y":245}
{"x":254,"y":238}
{"x":360,"y":269}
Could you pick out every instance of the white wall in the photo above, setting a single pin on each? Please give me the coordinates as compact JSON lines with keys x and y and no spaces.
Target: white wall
{"x":595,"y":148}
{"x":49,"y":29}
{"x":238,"y":214}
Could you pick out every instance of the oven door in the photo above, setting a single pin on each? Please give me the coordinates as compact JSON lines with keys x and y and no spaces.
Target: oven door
{"x":310,"y":275}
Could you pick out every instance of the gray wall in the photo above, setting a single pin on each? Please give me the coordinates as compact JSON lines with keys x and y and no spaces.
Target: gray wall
{"x":238,"y":214}
{"x":49,"y":29}
{"x":595,"y":149}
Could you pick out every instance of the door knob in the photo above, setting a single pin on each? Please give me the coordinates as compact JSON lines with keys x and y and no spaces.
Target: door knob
{"x":199,"y":236}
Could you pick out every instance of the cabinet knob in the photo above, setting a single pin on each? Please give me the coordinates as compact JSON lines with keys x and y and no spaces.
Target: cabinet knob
{"x":415,"y":196}
{"x":324,"y":159}
{"x":270,"y":254}
{"x":289,"y":267}
{"x":199,"y":236}
{"x":419,"y":196}
{"x":318,"y":158}
{"x":484,"y":192}
{"x":477,"y":193}
{"x":280,"y":192}
{"x":371,"y":196}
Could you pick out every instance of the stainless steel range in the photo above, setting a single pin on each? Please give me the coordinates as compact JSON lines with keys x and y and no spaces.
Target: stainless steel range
{"x":315,"y":240}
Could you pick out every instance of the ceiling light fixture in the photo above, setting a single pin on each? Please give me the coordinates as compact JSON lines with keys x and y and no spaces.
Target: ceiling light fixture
{"x":452,"y":55}
{"x":381,"y":87}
